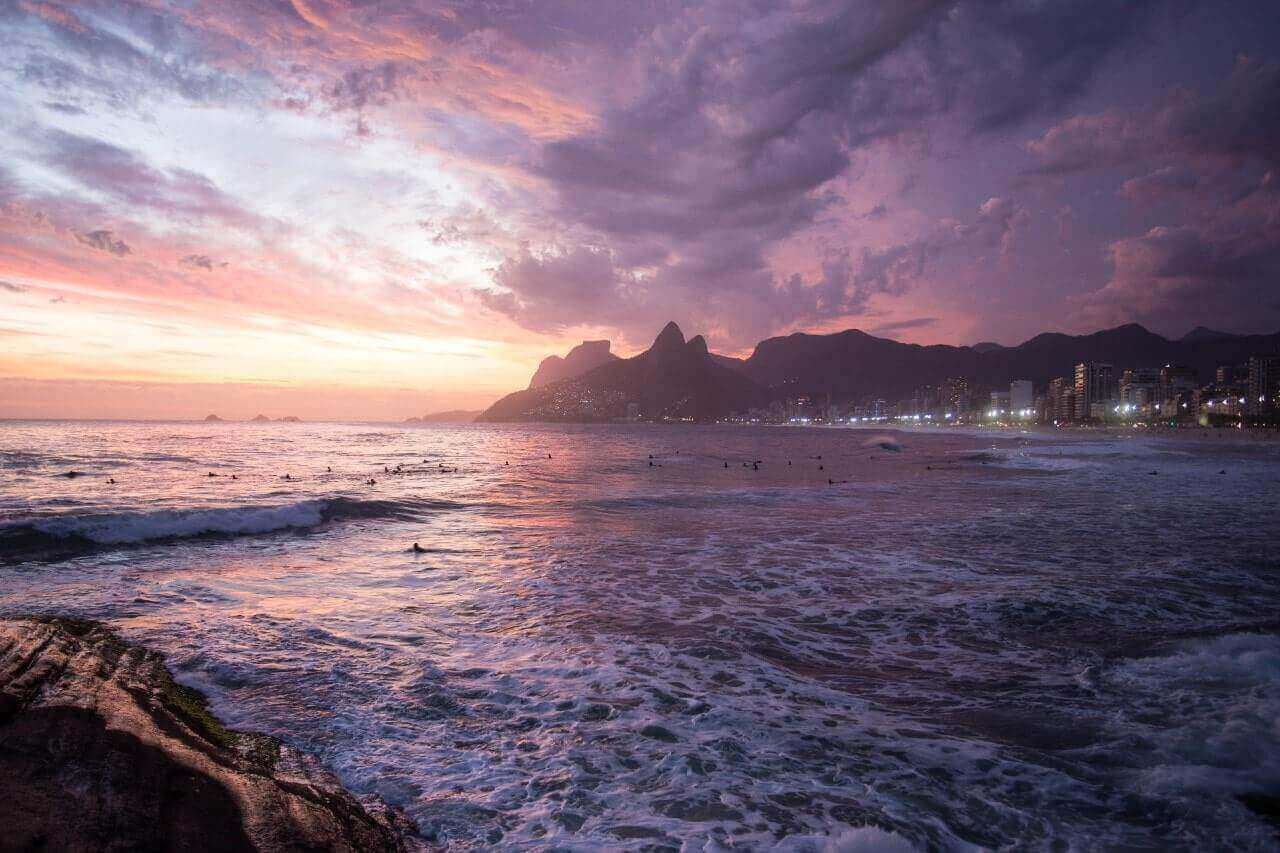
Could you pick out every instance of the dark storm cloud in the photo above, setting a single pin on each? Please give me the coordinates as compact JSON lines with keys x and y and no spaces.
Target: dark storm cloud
{"x":1240,"y":120}
{"x":736,"y":132}
{"x":104,"y":241}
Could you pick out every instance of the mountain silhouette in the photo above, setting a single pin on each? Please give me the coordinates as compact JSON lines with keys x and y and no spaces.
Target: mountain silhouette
{"x":587,"y":355}
{"x":674,"y":378}
{"x":852,"y":364}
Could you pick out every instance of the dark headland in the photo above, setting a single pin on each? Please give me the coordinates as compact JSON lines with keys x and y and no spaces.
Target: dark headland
{"x":101,"y":750}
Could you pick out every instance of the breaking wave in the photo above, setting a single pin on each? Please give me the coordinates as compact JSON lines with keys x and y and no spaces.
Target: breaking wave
{"x":62,"y":532}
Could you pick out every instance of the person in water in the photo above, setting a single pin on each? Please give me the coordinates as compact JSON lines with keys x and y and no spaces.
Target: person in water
{"x":418,"y":549}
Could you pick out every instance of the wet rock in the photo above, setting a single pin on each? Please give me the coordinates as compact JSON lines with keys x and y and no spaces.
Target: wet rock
{"x":659,"y":733}
{"x":100,"y":749}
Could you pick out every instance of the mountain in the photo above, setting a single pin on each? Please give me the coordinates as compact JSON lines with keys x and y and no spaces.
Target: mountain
{"x":852,"y":364}
{"x":986,"y":346}
{"x":260,"y":419}
{"x":1200,"y":333}
{"x":212,"y":418}
{"x":674,"y":378}
{"x":587,"y":355}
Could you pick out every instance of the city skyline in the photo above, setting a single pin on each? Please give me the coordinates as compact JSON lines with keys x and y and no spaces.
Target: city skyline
{"x":323,"y":208}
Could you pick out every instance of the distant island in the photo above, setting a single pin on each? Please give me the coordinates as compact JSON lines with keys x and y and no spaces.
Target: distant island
{"x":453,"y":416}
{"x":211,"y":418}
{"x":261,"y":419}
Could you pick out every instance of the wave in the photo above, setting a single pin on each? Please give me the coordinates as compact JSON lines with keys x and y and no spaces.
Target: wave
{"x":59,"y":534}
{"x":884,"y":442}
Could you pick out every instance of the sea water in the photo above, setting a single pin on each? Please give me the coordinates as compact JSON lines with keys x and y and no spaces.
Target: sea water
{"x":712,"y":638}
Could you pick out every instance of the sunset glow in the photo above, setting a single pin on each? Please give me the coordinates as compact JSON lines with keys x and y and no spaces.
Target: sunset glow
{"x":343,"y":210}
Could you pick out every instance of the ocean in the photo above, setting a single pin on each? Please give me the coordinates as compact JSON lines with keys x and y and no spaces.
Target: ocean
{"x":698,"y":637}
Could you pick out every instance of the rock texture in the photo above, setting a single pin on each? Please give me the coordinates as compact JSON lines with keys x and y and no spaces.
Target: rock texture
{"x":101,"y":750}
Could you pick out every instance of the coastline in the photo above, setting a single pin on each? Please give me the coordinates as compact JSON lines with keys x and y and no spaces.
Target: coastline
{"x":100,"y":748}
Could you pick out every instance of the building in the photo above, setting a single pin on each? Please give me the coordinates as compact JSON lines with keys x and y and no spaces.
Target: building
{"x":1060,"y":401}
{"x":1177,"y":382}
{"x":1140,"y":389}
{"x":999,"y":405}
{"x":1264,"y":386}
{"x":955,"y":396}
{"x":1021,"y":398}
{"x":1094,"y":389}
{"x":925,"y":400}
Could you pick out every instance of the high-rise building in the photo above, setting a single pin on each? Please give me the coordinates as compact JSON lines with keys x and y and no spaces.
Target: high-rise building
{"x":1095,"y":389}
{"x":1060,"y":402}
{"x":1177,"y":381}
{"x":999,"y":405}
{"x":955,"y":395}
{"x":1021,"y":397}
{"x":1264,"y":385}
{"x":1140,"y":388}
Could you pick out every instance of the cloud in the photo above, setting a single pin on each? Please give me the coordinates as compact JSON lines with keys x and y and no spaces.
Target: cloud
{"x":1225,"y":265}
{"x":11,"y":287}
{"x":557,"y":290}
{"x":104,"y":241}
{"x":74,"y":54}
{"x":1162,"y":183}
{"x":1240,"y":120}
{"x":1205,"y":164}
{"x":730,"y":141}
{"x":203,"y":262}
{"x":129,"y":179}
{"x":539,"y":286}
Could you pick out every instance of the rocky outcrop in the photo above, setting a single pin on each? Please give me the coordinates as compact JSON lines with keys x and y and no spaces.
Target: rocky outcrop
{"x":585,"y":357}
{"x":101,"y":750}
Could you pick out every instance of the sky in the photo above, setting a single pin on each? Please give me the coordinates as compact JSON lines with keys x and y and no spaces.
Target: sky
{"x":364,"y":209}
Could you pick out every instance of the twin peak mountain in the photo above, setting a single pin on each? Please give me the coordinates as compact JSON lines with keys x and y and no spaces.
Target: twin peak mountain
{"x":681,"y":380}
{"x":673,"y":378}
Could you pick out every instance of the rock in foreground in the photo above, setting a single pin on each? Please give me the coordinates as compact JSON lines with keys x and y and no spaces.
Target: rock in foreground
{"x":101,"y":750}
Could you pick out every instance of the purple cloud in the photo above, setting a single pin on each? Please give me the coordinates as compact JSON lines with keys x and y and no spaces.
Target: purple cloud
{"x":104,"y":241}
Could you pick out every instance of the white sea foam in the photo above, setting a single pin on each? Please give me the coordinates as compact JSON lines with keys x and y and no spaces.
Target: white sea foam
{"x":1221,"y":698}
{"x":126,"y":528}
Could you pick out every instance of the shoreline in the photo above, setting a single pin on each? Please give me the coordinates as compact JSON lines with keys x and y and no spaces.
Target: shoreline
{"x":100,"y":747}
